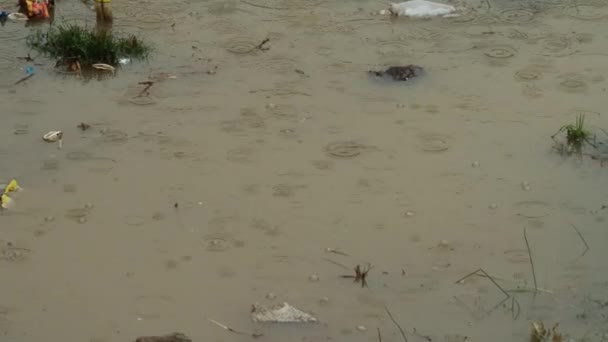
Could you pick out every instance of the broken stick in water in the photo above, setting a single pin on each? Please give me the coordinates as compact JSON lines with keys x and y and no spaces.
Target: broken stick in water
{"x":531,"y":261}
{"x":261,"y":46}
{"x":335,"y":251}
{"x":395,"y":322}
{"x":144,"y":91}
{"x":485,"y":275}
{"x":227,"y":328}
{"x":23,"y":79}
{"x":336,"y":263}
{"x":582,"y":238}
{"x":481,"y":272}
{"x":379,"y":335}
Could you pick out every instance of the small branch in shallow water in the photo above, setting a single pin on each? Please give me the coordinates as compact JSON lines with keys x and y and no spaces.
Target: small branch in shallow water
{"x":144,"y":91}
{"x":395,"y":322}
{"x":27,"y":58}
{"x":336,"y":263}
{"x":227,"y":328}
{"x":531,"y":261}
{"x":23,"y":79}
{"x":335,"y":251}
{"x":481,"y":272}
{"x":261,"y":46}
{"x":582,"y":238}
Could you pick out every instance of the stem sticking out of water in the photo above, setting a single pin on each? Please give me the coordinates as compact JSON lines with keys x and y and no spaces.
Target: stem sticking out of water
{"x":227,"y":328}
{"x":395,"y":322}
{"x":582,"y":238}
{"x":531,"y":261}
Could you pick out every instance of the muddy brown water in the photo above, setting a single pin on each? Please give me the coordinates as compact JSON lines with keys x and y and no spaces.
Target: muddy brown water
{"x":284,"y":153}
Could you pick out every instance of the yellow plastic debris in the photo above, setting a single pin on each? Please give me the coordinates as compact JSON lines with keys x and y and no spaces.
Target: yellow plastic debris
{"x":6,"y":201}
{"x":11,"y":186}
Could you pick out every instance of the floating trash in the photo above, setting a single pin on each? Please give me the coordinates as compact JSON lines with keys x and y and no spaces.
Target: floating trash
{"x":103,"y":66}
{"x":17,"y":17}
{"x":280,"y":313}
{"x":400,"y":73}
{"x":52,"y":136}
{"x":5,"y":201}
{"x":420,"y":9}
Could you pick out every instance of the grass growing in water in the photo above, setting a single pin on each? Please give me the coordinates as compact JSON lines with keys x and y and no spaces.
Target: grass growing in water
{"x":69,"y":41}
{"x":576,"y":134}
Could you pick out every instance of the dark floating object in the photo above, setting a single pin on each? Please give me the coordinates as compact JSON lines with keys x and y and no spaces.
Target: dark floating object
{"x":400,"y":73}
{"x":175,"y":337}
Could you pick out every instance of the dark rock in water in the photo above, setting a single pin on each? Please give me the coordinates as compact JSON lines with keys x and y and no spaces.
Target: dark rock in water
{"x":400,"y":73}
{"x":175,"y":337}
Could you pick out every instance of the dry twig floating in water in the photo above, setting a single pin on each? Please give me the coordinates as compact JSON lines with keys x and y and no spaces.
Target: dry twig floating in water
{"x":531,"y":261}
{"x":481,"y":272}
{"x":148,"y":85}
{"x":395,"y":322}
{"x":227,"y":328}
{"x":582,"y":238}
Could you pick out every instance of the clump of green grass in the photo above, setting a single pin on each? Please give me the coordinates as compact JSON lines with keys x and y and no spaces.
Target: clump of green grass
{"x":70,"y":41}
{"x":576,"y":135}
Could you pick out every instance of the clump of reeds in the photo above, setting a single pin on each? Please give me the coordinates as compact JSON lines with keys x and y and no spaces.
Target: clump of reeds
{"x":73,"y":42}
{"x":577,"y":136}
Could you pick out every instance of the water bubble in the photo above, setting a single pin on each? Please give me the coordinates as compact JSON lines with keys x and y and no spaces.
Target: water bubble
{"x":493,"y":206}
{"x":313,"y":278}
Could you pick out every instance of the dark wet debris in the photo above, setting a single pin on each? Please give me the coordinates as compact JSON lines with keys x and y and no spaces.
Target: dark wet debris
{"x":400,"y":73}
{"x":175,"y":337}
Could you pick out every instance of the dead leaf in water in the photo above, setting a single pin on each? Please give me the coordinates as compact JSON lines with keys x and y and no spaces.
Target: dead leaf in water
{"x":539,"y":333}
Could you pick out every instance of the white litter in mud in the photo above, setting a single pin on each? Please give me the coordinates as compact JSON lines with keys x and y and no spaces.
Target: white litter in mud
{"x":280,"y":313}
{"x":420,"y":9}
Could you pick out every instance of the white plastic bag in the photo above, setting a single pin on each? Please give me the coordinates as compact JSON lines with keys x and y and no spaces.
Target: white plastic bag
{"x":421,"y":9}
{"x":281,"y":313}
